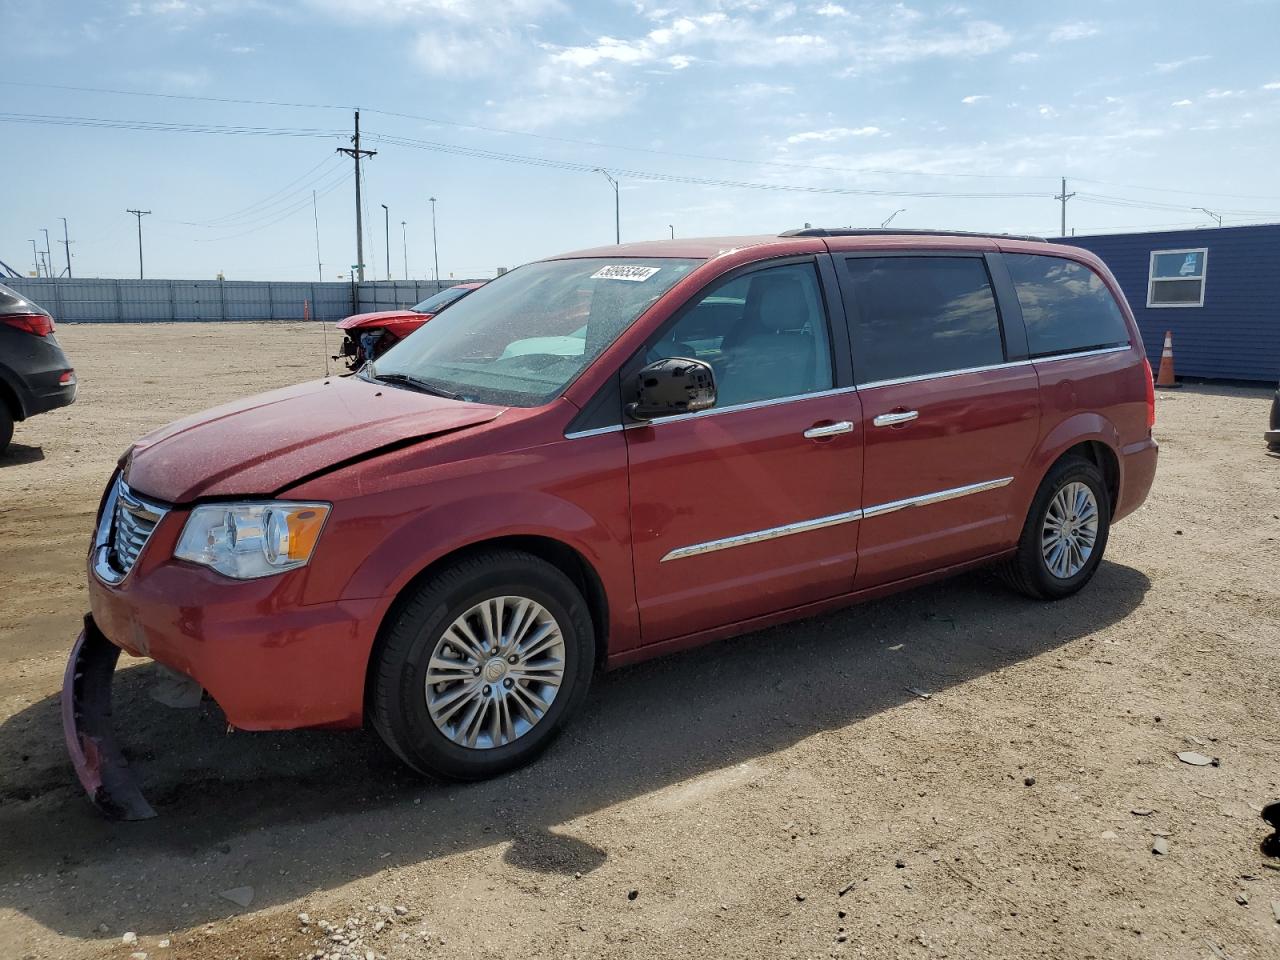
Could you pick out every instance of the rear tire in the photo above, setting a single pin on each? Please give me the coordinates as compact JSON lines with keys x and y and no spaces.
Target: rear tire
{"x":6,"y":427}
{"x":482,"y":666}
{"x":1065,"y":533}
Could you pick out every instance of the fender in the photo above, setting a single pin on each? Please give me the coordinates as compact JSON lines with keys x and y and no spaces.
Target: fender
{"x":1078,"y":428}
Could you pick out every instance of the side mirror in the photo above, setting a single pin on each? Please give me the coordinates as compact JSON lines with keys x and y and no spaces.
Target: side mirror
{"x":671,"y":386}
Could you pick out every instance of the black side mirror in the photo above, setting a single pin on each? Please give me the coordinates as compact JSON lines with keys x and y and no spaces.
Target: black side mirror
{"x":671,"y":386}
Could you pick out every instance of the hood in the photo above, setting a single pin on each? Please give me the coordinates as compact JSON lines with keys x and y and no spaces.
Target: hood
{"x":262,"y":444}
{"x":379,"y":318}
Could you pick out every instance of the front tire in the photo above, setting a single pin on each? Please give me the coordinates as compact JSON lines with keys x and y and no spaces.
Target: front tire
{"x":482,"y":666}
{"x":1065,"y":533}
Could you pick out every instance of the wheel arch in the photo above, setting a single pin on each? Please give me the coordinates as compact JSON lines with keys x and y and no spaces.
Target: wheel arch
{"x":559,"y":554}
{"x":1087,"y":435}
{"x":11,"y":400}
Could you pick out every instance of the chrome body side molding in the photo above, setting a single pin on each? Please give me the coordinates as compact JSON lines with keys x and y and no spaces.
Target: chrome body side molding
{"x":818,"y":523}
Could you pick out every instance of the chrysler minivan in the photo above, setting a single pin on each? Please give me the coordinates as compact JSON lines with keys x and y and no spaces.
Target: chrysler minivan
{"x":610,"y":455}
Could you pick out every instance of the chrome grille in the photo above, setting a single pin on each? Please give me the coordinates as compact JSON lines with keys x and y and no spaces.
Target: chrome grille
{"x":132,"y":522}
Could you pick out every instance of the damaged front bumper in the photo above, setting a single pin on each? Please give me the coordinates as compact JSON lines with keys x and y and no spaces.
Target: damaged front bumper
{"x":86,"y":723}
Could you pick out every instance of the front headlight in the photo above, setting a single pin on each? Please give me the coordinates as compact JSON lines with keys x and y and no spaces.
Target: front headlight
{"x":251,"y":540}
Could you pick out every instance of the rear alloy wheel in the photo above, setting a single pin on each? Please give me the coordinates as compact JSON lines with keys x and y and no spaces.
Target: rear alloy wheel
{"x":1065,"y":533}
{"x":482,"y":666}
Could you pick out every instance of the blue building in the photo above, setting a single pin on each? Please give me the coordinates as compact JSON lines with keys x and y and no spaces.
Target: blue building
{"x":1216,"y":289}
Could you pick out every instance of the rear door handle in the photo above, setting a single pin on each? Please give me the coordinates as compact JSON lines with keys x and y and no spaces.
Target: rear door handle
{"x":818,"y":431}
{"x":898,"y":416}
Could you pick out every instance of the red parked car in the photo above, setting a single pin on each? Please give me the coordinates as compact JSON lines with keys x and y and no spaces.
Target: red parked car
{"x":369,"y":335}
{"x":610,"y":455}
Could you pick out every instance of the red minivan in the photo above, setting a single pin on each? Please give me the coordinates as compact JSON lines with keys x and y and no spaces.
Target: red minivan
{"x":610,"y":455}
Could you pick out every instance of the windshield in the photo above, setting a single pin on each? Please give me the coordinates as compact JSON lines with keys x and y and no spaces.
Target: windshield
{"x":521,"y":339}
{"x":438,"y":301}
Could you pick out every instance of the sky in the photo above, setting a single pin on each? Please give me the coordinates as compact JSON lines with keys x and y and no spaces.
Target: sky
{"x":715,"y":117}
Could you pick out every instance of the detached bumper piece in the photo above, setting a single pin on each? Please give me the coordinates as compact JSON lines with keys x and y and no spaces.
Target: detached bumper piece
{"x":86,"y":723}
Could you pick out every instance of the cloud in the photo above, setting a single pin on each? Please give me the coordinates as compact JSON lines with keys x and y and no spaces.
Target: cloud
{"x":448,"y":11}
{"x":903,"y":45}
{"x":831,"y":10}
{"x":1271,"y":86}
{"x":974,"y":98}
{"x":1024,"y":56}
{"x":555,"y":95}
{"x":1047,"y":111}
{"x":1181,"y":103}
{"x":832,"y":134}
{"x":1216,"y":94}
{"x":1079,"y":30}
{"x":1172,"y":65}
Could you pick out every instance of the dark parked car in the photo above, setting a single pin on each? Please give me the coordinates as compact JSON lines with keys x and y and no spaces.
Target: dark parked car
{"x":35,"y":375}
{"x":607,"y":456}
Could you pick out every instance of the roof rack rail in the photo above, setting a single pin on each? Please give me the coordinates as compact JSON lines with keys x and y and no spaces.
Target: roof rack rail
{"x":890,"y":232}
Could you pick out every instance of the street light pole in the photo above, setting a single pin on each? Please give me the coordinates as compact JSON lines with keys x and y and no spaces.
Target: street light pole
{"x":404,"y":243}
{"x":435,"y":250}
{"x":386,"y":239}
{"x":1216,"y":216}
{"x":139,"y":214}
{"x":889,"y":219}
{"x":672,"y":228}
{"x":617,"y":208}
{"x":35,"y":257}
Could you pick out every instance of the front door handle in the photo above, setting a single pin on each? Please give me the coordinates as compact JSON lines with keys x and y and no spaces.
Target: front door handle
{"x":818,"y":431}
{"x":895,"y":418}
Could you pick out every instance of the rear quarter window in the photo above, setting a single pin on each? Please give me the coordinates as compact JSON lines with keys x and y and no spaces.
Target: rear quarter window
{"x":1066,"y":307}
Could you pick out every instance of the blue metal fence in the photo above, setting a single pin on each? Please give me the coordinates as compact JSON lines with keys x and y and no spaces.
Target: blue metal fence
{"x":131,"y":301}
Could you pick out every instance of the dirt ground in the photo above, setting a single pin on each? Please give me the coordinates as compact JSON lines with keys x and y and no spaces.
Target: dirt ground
{"x":779,"y":795}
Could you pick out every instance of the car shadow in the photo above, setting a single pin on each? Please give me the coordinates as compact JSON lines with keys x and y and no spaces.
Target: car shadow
{"x":20,"y":453}
{"x":297,"y":812}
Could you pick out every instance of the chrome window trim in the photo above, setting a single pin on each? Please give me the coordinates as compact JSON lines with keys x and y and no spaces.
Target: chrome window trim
{"x":593,"y":432}
{"x":921,"y":377}
{"x":924,"y":500}
{"x":818,"y":523}
{"x":1083,"y":353}
{"x":737,"y":407}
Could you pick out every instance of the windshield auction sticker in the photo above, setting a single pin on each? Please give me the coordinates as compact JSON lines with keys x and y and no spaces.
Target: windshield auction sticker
{"x":625,"y":272}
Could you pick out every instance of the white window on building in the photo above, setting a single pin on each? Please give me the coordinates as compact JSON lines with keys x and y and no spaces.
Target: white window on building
{"x":1177,"y":278}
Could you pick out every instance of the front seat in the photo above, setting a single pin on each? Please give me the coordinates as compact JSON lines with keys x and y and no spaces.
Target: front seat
{"x":768,"y":355}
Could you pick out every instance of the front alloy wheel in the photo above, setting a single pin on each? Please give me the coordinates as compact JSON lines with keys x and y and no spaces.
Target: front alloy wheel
{"x":495,"y":672}
{"x":481,"y":665}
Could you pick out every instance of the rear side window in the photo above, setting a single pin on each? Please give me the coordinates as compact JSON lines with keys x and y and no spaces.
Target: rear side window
{"x":1065,"y":305}
{"x":918,"y":316}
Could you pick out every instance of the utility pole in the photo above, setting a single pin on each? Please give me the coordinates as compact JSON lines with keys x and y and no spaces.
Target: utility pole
{"x":48,"y":254}
{"x":1064,"y":197}
{"x":315,"y":213}
{"x":139,"y":214}
{"x":435,"y":250}
{"x":355,"y":153}
{"x":617,"y":209}
{"x":1216,"y":216}
{"x":386,"y":235}
{"x":66,"y":242}
{"x":404,"y":242}
{"x":35,"y":257}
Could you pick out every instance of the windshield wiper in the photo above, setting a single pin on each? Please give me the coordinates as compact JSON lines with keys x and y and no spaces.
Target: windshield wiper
{"x":414,"y":382}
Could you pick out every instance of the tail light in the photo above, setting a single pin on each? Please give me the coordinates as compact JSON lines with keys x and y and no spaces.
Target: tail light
{"x":67,"y":377}
{"x":1151,"y":394}
{"x":37,"y":324}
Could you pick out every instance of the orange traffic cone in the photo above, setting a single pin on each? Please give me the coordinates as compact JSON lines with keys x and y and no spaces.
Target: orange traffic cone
{"x":1166,"y":379}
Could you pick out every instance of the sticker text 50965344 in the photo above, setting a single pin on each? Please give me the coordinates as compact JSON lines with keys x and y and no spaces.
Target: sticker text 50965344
{"x":625,"y":272}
